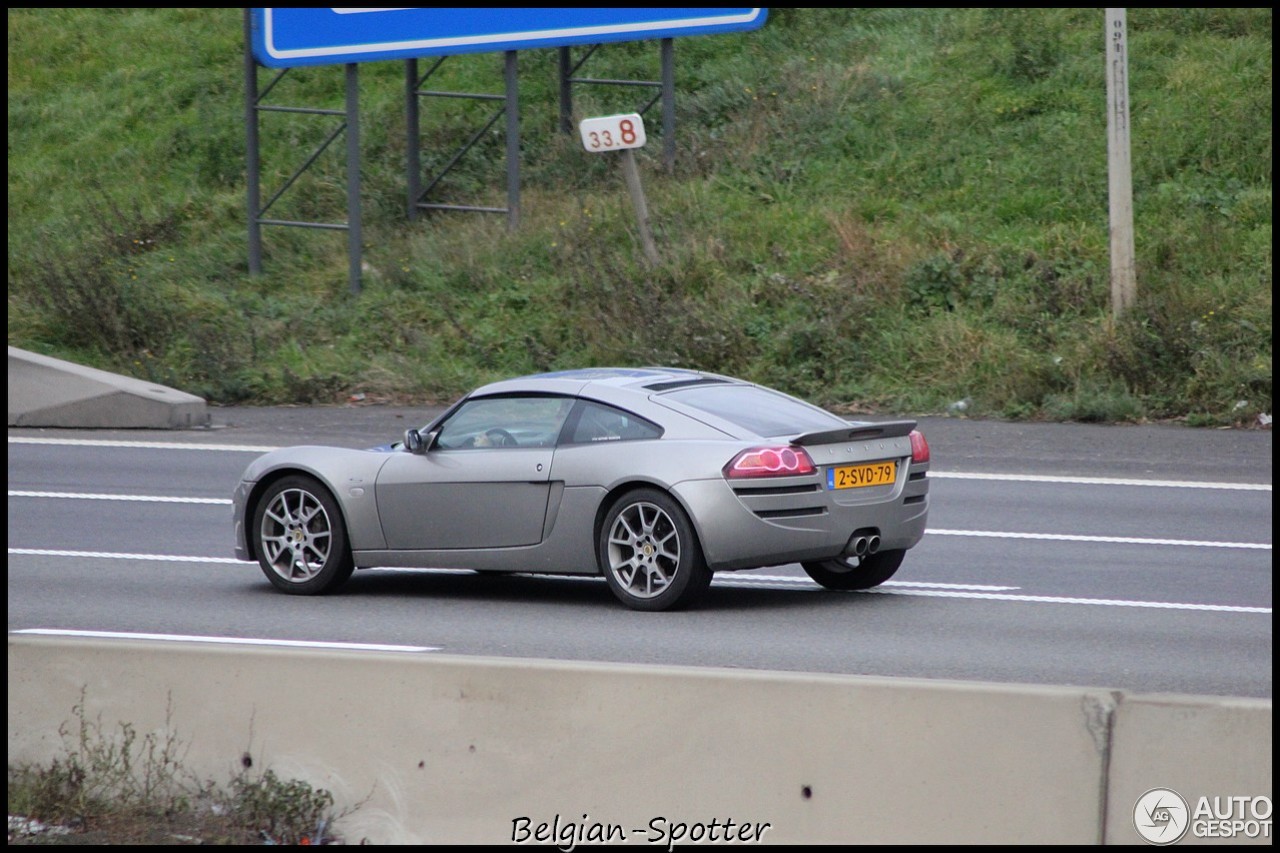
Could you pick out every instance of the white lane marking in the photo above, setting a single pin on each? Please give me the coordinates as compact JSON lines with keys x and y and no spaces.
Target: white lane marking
{"x":988,"y":534}
{"x":784,"y":582}
{"x":724,"y":579}
{"x":736,"y":577}
{"x":1121,"y":540}
{"x":943,"y":475}
{"x":1057,"y":599}
{"x":234,"y":641}
{"x":733,"y":579}
{"x":967,"y":591}
{"x":164,"y":558}
{"x":18,"y":493}
{"x":1102,"y":481}
{"x":144,"y":445}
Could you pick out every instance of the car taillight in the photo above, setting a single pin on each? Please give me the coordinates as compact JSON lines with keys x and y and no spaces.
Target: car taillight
{"x":784,"y":461}
{"x":919,"y":447}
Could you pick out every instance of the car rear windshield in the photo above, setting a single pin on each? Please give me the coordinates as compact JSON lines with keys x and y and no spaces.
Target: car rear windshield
{"x":763,"y":412}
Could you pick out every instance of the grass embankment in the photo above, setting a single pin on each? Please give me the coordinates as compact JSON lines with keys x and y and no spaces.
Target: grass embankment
{"x":879,"y":210}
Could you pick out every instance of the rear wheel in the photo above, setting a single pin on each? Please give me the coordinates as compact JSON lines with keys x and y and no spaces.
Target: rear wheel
{"x":301,"y":540}
{"x":649,"y":554}
{"x":855,"y":572}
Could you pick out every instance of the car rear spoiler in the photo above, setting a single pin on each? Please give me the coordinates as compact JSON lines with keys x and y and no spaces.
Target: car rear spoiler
{"x":857,"y":432}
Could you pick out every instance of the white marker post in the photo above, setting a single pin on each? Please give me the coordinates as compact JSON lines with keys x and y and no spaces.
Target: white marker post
{"x":1124,"y":278}
{"x":623,"y":133}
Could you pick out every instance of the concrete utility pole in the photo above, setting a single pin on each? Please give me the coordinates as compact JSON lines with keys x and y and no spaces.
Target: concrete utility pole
{"x":1124,"y":286}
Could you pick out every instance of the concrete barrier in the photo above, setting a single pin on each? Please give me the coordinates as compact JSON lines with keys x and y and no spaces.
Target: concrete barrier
{"x":1198,"y":748}
{"x":450,"y":749}
{"x":49,"y":392}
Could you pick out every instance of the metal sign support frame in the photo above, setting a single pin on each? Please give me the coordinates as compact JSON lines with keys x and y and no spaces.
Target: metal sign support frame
{"x":254,"y":106}
{"x":510,"y":108}
{"x":414,"y":91}
{"x":666,"y":92}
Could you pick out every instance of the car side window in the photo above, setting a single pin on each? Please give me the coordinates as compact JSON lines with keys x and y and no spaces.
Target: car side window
{"x":497,"y":422}
{"x":597,"y":422}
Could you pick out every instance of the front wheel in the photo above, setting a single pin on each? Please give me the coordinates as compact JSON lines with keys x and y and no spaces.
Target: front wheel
{"x":855,"y":572}
{"x":649,"y":553}
{"x":301,"y":540}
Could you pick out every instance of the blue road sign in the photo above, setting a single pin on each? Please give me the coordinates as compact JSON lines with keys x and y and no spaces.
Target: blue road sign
{"x":288,"y":36}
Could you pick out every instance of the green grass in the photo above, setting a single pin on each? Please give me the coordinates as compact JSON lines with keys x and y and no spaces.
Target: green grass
{"x":876,"y":209}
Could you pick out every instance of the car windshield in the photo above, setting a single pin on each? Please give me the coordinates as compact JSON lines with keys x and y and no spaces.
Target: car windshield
{"x":764,"y":412}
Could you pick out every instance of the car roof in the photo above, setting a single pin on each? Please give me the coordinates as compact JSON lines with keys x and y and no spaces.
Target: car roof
{"x":645,"y":380}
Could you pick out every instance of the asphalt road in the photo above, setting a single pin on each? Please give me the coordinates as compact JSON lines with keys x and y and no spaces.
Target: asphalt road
{"x":1133,"y":557}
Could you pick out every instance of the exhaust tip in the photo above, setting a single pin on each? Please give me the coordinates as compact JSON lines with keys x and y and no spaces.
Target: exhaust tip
{"x":873,"y":544}
{"x":860,"y":546}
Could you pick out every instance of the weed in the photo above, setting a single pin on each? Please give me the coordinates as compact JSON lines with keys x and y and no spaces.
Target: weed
{"x":291,"y":812}
{"x":121,"y":786}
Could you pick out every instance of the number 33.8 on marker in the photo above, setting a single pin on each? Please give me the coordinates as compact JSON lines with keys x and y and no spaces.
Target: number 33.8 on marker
{"x":612,"y":133}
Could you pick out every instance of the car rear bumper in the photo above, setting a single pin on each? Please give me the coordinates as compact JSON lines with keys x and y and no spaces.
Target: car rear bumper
{"x":795,"y":519}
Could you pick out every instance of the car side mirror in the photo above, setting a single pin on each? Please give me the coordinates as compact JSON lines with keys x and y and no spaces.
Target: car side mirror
{"x":416,"y":442}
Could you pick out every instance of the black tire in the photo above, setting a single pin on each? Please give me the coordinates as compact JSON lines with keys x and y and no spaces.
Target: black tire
{"x":649,"y":554}
{"x":300,"y":537}
{"x":856,"y":572}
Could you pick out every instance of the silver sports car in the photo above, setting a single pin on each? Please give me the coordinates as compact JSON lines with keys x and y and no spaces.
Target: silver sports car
{"x":653,"y":477}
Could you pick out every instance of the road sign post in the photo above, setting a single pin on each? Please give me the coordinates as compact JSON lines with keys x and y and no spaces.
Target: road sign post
{"x":624,"y":133}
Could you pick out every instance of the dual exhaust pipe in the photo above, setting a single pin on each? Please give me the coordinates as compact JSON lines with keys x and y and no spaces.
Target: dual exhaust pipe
{"x":864,"y":543}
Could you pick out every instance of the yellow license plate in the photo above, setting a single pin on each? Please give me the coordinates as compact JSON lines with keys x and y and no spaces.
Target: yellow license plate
{"x":859,"y":476}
